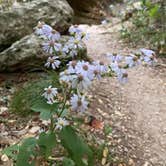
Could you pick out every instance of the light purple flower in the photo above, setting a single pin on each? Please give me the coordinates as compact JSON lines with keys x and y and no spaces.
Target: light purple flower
{"x":51,"y":47}
{"x":72,"y":67}
{"x":147,"y":52}
{"x":50,"y":94}
{"x":61,"y":122}
{"x":74,"y":43}
{"x":43,"y":29}
{"x":96,"y":72}
{"x":66,"y":49}
{"x":132,"y":60}
{"x":150,"y":59}
{"x":114,"y":58}
{"x":148,"y":56}
{"x":85,"y":69}
{"x":78,"y":103}
{"x":74,"y":29}
{"x":115,"y":67}
{"x":53,"y":62}
{"x":66,"y":77}
{"x":81,"y":82}
{"x":54,"y":35}
{"x":102,"y":68}
{"x":73,"y":53}
{"x":122,"y":76}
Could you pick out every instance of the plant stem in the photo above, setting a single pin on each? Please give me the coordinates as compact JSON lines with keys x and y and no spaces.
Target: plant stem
{"x":52,"y":124}
{"x":64,"y":101}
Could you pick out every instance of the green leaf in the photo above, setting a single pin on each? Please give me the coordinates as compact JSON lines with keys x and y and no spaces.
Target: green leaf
{"x":11,"y":151}
{"x":46,"y":110}
{"x":107,"y":129}
{"x":26,"y":151}
{"x":65,"y":112}
{"x":47,"y":142}
{"x":68,"y":162}
{"x":77,"y":149}
{"x":153,"y":12}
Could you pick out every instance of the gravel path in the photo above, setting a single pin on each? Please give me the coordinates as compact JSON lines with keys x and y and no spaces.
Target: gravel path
{"x":137,"y":110}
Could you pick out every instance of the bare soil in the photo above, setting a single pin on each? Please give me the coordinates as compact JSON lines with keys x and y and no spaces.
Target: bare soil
{"x":136,"y":110}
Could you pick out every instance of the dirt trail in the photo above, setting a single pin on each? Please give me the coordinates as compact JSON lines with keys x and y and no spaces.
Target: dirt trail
{"x":137,"y":109}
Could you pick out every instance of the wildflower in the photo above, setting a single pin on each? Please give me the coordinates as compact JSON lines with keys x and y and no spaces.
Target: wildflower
{"x":66,"y":77}
{"x":132,"y":60}
{"x":72,"y":67}
{"x":54,"y":35}
{"x":66,"y":49}
{"x":85,"y":69}
{"x":74,"y":29}
{"x":147,"y":52}
{"x":53,"y":62}
{"x":148,"y":56}
{"x":61,"y":122}
{"x":73,"y":53}
{"x":80,"y":82}
{"x":78,"y":103}
{"x":101,"y":67}
{"x":43,"y":29}
{"x":115,"y":57}
{"x":50,"y":93}
{"x":150,"y":60}
{"x":74,"y":43}
{"x":51,"y":46}
{"x":115,"y":67}
{"x":96,"y":72}
{"x":122,"y":76}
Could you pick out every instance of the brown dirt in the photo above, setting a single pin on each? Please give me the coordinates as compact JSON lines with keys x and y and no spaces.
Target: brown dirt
{"x":136,"y":110}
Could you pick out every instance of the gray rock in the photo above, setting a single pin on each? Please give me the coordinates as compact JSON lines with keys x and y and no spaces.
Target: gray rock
{"x":27,"y":54}
{"x":20,"y":20}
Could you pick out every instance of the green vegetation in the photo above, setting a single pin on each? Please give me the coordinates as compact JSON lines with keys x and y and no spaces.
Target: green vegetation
{"x":148,"y":26}
{"x":25,"y":97}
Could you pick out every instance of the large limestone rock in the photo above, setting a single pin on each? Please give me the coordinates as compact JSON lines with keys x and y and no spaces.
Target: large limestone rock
{"x":90,"y":11}
{"x":21,"y":18}
{"x":27,"y":54}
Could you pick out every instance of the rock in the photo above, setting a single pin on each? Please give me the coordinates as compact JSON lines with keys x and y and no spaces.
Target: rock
{"x":20,"y":20}
{"x":131,"y":162}
{"x":88,"y":11}
{"x":27,"y":54}
{"x":34,"y":129}
{"x":4,"y":158}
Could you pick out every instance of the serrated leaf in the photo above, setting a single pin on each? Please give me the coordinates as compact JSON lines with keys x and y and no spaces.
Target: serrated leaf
{"x":47,"y":142}
{"x":68,"y":162}
{"x":107,"y":129}
{"x":77,"y":149}
{"x":11,"y":151}
{"x":46,"y":110}
{"x":26,"y":150}
{"x":154,"y":11}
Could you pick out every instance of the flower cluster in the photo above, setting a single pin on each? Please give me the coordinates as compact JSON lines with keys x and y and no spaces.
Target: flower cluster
{"x":120,"y":63}
{"x":53,"y":46}
{"x":79,"y":73}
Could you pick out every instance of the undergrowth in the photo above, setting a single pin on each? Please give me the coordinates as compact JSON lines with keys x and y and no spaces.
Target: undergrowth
{"x":148,"y":26}
{"x":25,"y":97}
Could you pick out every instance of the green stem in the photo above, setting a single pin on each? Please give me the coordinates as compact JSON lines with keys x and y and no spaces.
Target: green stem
{"x":52,"y":124}
{"x":64,"y":101}
{"x":63,"y":106}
